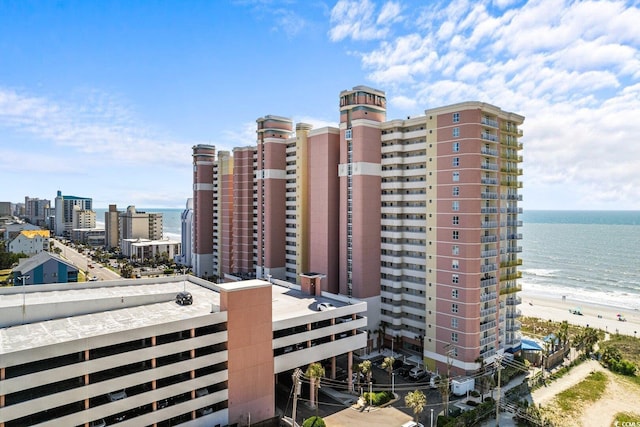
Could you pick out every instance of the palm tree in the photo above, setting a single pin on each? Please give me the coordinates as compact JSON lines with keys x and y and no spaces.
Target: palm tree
{"x":315,"y":372}
{"x":415,"y":400}
{"x":387,"y":365}
{"x":365,"y":368}
{"x":589,"y":339}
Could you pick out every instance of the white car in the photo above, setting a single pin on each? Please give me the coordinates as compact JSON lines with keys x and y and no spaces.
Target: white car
{"x":325,"y":306}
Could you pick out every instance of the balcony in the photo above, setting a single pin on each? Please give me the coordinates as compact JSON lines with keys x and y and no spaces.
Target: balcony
{"x":488,"y":340}
{"x":513,"y":301}
{"x":487,"y":325}
{"x":489,"y":195}
{"x":488,"y":296}
{"x":489,"y":253}
{"x":514,"y":326}
{"x":514,"y":236}
{"x":489,"y":166}
{"x":489,"y":224}
{"x":512,"y":263}
{"x":489,"y":122}
{"x":347,"y":134}
{"x":514,"y":314}
{"x":488,"y":352}
{"x":487,"y":268}
{"x":488,"y":151}
{"x":514,"y":249}
{"x":488,"y":311}
{"x":489,"y":239}
{"x":510,"y":289}
{"x":508,"y":277}
{"x":491,"y":281}
{"x":489,"y":181}
{"x":489,"y":137}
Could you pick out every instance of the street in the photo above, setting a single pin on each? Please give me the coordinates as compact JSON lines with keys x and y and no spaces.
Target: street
{"x":84,"y":263}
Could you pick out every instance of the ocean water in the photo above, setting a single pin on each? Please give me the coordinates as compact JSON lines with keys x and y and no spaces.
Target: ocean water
{"x":591,"y":256}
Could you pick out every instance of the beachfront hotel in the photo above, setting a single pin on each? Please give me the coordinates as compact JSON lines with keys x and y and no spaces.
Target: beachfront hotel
{"x":418,"y":217}
{"x":125,"y":351}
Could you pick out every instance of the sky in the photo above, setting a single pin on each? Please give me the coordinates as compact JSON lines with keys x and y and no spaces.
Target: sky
{"x":105,"y":99}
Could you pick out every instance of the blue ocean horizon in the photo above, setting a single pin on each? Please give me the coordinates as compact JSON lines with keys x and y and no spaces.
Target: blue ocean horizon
{"x":590,"y":256}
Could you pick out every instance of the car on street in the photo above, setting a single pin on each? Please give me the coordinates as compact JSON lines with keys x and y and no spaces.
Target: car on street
{"x":184,"y":298}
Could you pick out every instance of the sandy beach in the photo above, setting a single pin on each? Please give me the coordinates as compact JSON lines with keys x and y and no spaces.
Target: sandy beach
{"x":593,"y":314}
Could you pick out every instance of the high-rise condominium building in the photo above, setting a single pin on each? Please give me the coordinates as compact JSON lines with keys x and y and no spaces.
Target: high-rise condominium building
{"x":135,"y":224}
{"x":418,"y":217}
{"x":112,"y":227}
{"x":36,"y":210}
{"x":64,"y":208}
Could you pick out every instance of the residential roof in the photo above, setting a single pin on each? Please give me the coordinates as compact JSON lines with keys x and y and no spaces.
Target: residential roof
{"x":530,"y":345}
{"x":28,"y":264}
{"x":33,"y":233}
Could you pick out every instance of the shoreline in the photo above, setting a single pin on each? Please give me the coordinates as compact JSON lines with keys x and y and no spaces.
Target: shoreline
{"x":594,"y":314}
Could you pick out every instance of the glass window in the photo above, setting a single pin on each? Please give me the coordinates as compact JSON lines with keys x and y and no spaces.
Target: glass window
{"x":456,"y":117}
{"x":454,"y":294}
{"x":456,"y":191}
{"x":456,"y":162}
{"x":456,"y":132}
{"x":455,"y":279}
{"x":455,"y":264}
{"x":456,"y":147}
{"x":456,"y":176}
{"x":454,"y":337}
{"x":455,"y":235}
{"x":455,"y":205}
{"x":454,"y":322}
{"x":456,"y":220}
{"x":454,"y":308}
{"x":455,"y":250}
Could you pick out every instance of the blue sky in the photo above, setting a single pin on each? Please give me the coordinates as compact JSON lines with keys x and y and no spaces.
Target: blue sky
{"x":106,"y":99}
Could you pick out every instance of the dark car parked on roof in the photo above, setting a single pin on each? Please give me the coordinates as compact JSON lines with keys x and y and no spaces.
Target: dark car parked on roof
{"x":184,"y":298}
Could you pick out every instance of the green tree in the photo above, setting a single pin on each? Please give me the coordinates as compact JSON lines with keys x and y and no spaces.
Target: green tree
{"x":589,"y":339}
{"x":314,"y":372}
{"x":387,"y":365}
{"x":365,"y":368}
{"x":416,"y":400}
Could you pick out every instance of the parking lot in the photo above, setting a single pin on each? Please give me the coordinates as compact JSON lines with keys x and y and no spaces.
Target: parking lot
{"x":381,"y":381}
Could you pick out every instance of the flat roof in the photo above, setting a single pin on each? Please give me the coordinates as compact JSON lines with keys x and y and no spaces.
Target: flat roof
{"x":147,"y":302}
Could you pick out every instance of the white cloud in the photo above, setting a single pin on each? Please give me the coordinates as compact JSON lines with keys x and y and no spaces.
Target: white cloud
{"x":571,"y":68}
{"x":356,"y":19}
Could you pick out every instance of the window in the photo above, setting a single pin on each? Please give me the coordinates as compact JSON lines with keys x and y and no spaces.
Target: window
{"x":456,"y":147}
{"x":456,"y":220}
{"x":454,"y":352}
{"x":455,"y":279}
{"x":456,"y":176}
{"x":455,"y":205}
{"x":456,"y":132}
{"x":455,"y":264}
{"x":454,"y":294}
{"x":456,"y":117}
{"x":456,"y":162}
{"x":454,"y":323}
{"x":454,"y":308}
{"x":456,"y":191}
{"x":455,"y":235}
{"x":455,"y":250}
{"x":454,"y":337}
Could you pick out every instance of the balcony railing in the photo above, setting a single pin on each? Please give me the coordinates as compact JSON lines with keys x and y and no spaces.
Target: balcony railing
{"x":487,"y":325}
{"x":491,"y":281}
{"x":492,"y":238}
{"x":489,"y":166}
{"x":513,"y":301}
{"x":489,"y":253}
{"x":487,"y":268}
{"x":510,"y":289}
{"x":488,"y":296}
{"x":489,"y":181}
{"x":488,"y":151}
{"x":489,"y":224}
{"x":489,"y":137}
{"x":489,"y":195}
{"x":512,"y":263}
{"x":488,"y":311}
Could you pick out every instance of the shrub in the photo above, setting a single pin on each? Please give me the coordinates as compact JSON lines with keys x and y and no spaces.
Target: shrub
{"x":624,"y":367}
{"x":314,"y":422}
{"x":474,"y":393}
{"x":377,"y":398}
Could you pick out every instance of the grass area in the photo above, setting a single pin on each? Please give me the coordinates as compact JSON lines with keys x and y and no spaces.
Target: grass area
{"x":629,"y":346}
{"x":625,"y":417}
{"x":588,"y":390}
{"x":536,"y":327}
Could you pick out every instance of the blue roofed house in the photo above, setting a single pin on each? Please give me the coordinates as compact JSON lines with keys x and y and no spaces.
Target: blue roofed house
{"x":45,"y":267}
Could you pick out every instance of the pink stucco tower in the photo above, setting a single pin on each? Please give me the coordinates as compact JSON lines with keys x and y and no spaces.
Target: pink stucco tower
{"x":245,"y":227}
{"x":362,"y":110}
{"x":271,"y":176}
{"x":203,"y":194}
{"x":472,"y":251}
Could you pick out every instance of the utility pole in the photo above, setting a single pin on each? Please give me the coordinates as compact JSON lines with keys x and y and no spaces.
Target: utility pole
{"x":24,"y":277}
{"x":296,"y":392}
{"x":446,"y":390}
{"x":499,"y":368}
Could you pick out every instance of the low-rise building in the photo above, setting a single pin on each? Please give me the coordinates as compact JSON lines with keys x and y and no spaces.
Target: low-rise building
{"x":45,"y":267}
{"x":125,"y":351}
{"x":148,"y":249}
{"x":93,"y":237}
{"x":29,"y":242}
